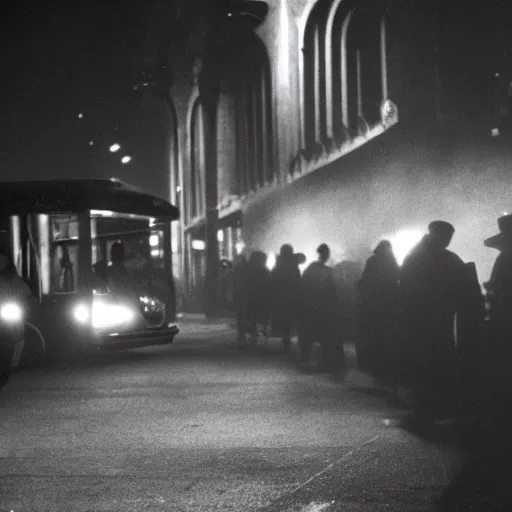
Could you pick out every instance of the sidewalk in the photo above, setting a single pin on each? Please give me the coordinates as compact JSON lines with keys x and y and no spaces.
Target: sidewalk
{"x":198,"y":323}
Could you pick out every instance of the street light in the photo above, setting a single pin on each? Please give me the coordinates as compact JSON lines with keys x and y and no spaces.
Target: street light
{"x":115,"y":147}
{"x":126,"y":159}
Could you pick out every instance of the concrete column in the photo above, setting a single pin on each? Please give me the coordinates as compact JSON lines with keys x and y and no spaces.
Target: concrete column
{"x":383,"y":59}
{"x":344,"y":77}
{"x":210,"y":102}
{"x":359,"y":89}
{"x":316,"y":83}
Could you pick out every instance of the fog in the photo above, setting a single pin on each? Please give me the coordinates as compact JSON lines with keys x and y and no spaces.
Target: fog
{"x":382,"y":192}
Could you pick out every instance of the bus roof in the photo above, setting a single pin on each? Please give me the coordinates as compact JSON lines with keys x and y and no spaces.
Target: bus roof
{"x":80,"y":195}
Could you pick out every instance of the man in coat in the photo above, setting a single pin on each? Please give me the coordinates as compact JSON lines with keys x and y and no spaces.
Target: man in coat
{"x":320,"y":309}
{"x":433,"y":286}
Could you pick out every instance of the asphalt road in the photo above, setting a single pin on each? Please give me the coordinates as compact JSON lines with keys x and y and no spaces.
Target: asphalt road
{"x":201,"y":426}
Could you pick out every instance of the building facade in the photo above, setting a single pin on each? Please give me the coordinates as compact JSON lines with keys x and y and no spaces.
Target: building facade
{"x":338,"y":121}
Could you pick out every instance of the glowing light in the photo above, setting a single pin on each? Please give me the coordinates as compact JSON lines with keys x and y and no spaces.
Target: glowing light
{"x":220,"y":235}
{"x":81,"y":313}
{"x":102,"y":213}
{"x":153,"y":241}
{"x":271,"y":261}
{"x":11,"y":312}
{"x":155,"y":253}
{"x":104,"y":315}
{"x":403,"y":241}
{"x":239,"y":246}
{"x":115,"y":147}
{"x":126,"y":159}
{"x":80,"y":115}
{"x":91,"y":143}
{"x":178,"y":189}
{"x":505,"y":213}
{"x":198,"y":245}
{"x":495,"y":132}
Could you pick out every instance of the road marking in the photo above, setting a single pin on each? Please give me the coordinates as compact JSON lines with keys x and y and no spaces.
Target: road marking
{"x":343,"y":457}
{"x":316,"y":507}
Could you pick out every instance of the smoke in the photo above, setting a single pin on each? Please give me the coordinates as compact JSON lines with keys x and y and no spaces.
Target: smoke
{"x":353,"y":205}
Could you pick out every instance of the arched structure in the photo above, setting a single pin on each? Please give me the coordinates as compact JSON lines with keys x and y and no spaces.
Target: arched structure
{"x":344,"y":71}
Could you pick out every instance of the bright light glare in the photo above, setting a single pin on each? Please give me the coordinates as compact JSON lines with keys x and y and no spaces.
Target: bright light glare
{"x":115,"y":147}
{"x":495,"y":132}
{"x":104,"y":315}
{"x":126,"y":159}
{"x":110,"y":315}
{"x":155,"y":253}
{"x":80,"y":115}
{"x":153,"y":240}
{"x":220,"y":236}
{"x":198,"y":245}
{"x":81,"y":313}
{"x":178,"y":189}
{"x":102,"y":213}
{"x":403,"y":241}
{"x":11,"y":312}
{"x":271,"y":261}
{"x":239,"y":246}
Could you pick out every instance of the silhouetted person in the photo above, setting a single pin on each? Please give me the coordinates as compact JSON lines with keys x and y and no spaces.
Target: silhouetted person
{"x":67,"y":276}
{"x":500,"y":311}
{"x":240,"y":296}
{"x":379,"y":316}
{"x":259,"y":294}
{"x":286,"y":281}
{"x":347,"y":275}
{"x":319,"y":309}
{"x":432,"y":285}
{"x":119,"y":280}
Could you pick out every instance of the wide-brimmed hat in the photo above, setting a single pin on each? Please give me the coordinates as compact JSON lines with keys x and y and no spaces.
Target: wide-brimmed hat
{"x":504,"y":237}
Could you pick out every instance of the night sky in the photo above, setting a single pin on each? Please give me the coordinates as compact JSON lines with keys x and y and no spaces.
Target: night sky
{"x":60,"y":59}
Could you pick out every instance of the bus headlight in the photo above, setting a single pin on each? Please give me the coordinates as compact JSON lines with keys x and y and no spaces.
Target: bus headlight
{"x":104,"y":315}
{"x":11,"y":312}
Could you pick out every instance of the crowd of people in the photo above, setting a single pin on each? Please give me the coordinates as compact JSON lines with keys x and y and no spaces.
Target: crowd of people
{"x":420,"y":325}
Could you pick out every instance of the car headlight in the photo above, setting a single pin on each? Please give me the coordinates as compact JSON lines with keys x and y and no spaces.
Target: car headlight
{"x":11,"y":312}
{"x":104,"y":315}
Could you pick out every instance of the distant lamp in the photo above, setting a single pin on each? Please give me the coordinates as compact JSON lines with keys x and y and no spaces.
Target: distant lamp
{"x":115,"y":147}
{"x":80,"y":115}
{"x":126,"y":159}
{"x":91,"y":143}
{"x":495,"y":132}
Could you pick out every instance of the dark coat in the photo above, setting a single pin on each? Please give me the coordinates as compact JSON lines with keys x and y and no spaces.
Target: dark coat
{"x":379,"y":318}
{"x":258,"y":292}
{"x":286,"y":286}
{"x":320,"y":302}
{"x":434,"y":286}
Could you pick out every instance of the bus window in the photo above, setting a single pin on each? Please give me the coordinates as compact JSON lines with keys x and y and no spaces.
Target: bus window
{"x":64,"y":253}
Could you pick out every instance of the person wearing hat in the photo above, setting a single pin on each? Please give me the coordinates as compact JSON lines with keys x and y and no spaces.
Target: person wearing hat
{"x":319,"y":310}
{"x":285,"y":282}
{"x":499,"y":288}
{"x":433,"y":287}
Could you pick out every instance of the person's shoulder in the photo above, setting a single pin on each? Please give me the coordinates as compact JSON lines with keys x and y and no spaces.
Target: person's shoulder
{"x":453,"y":257}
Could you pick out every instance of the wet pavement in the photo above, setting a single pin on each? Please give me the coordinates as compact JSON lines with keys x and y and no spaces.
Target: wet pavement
{"x":201,"y":425}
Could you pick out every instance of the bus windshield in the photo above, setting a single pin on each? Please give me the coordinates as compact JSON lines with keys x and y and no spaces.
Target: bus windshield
{"x":131,"y":246}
